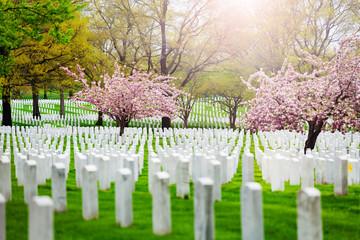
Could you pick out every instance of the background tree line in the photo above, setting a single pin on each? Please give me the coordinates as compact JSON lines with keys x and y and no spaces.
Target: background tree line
{"x":207,"y":44}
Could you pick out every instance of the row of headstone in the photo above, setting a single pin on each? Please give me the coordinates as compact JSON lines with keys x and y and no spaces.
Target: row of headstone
{"x":40,"y":145}
{"x":90,"y":174}
{"x":40,"y":218}
{"x":204,"y":188}
{"x":197,"y":157}
{"x":30,"y":143}
{"x":199,"y":117}
{"x":326,"y":140}
{"x":109,"y":152}
{"x":309,"y":210}
{"x":55,"y":119}
{"x":36,"y":157}
{"x":41,"y":209}
{"x":283,"y":160}
{"x":36,"y":150}
{"x":309,"y":224}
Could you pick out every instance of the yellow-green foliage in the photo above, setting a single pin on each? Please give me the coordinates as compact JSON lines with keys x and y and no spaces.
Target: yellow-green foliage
{"x":38,"y":62}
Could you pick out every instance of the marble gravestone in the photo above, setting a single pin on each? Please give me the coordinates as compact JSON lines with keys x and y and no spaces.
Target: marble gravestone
{"x":341,"y":176}
{"x":154,"y":167}
{"x":161,"y":210}
{"x":5,"y":177}
{"x":247,"y":167}
{"x":30,"y":185}
{"x":252,"y":223}
{"x":58,"y":187}
{"x":123,"y":197}
{"x":307,"y":170}
{"x":90,"y":202}
{"x":2,"y":218}
{"x":309,"y":225}
{"x":182,"y":178}
{"x":41,"y":218}
{"x":204,"y":209}
{"x":214,"y":172}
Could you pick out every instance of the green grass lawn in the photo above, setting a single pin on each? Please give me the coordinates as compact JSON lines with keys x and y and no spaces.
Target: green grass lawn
{"x":340,"y":215}
{"x":50,"y":95}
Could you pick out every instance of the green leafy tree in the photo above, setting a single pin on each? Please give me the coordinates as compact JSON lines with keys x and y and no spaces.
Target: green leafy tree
{"x":286,"y":28}
{"x":186,"y":101}
{"x":230,"y":92}
{"x":37,"y":62}
{"x":23,"y":20}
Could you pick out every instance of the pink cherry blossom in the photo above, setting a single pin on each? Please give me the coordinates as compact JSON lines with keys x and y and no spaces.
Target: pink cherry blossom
{"x":125,"y":98}
{"x":289,"y":99}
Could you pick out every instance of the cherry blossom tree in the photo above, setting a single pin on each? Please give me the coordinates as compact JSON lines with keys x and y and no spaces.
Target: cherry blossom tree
{"x":124,"y":98}
{"x":328,"y":97}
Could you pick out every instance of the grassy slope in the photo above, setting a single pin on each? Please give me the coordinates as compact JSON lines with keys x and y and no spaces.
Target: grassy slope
{"x":50,"y":95}
{"x":340,"y":214}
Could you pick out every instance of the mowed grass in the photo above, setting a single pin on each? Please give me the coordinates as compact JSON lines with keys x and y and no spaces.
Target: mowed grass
{"x":340,"y":215}
{"x":50,"y":95}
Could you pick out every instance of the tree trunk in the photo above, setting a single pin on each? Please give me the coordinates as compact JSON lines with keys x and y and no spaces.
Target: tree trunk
{"x":118,"y":123}
{"x":123,"y":123}
{"x":166,"y":122}
{"x":62,"y":103}
{"x":6,"y":99}
{"x":45,"y":92}
{"x":313,"y":133}
{"x":100,"y":119}
{"x":163,"y":57}
{"x":185,"y":122}
{"x":35,"y":94}
{"x":71,"y":93}
{"x":232,"y":117}
{"x":122,"y":129}
{"x":186,"y":117}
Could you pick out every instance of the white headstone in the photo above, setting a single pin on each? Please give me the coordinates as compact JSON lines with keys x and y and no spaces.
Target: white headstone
{"x":80,"y":163}
{"x":182,"y":178}
{"x":329,"y":172}
{"x":154,"y":167}
{"x":161,"y":209}
{"x":214,"y":172}
{"x":41,"y":169}
{"x":341,"y":176}
{"x":41,"y":218}
{"x":30,"y":185}
{"x":5,"y":177}
{"x":204,"y":209}
{"x":309,"y":225}
{"x":195,"y":166}
{"x":307,"y":171}
{"x":21,"y":166}
{"x":252,"y":223}
{"x":223,"y":161}
{"x":266,"y":174}
{"x":294,"y":171}
{"x":276,"y":172}
{"x":58,"y":187}
{"x":230,"y":168}
{"x":320,"y":170}
{"x":90,"y":204}
{"x":174,"y":157}
{"x":123,"y":197}
{"x":104,"y":172}
{"x":2,"y":218}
